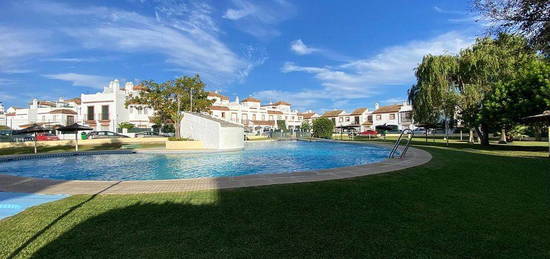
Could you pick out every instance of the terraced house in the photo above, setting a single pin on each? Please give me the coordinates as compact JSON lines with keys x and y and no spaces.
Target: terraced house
{"x":106,"y":109}
{"x":46,"y":113}
{"x":252,"y":114}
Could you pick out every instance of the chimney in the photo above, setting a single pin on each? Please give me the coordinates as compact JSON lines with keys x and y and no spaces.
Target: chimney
{"x":34,"y":103}
{"x":128,"y":86}
{"x":376,"y":106}
{"x":237,"y":99}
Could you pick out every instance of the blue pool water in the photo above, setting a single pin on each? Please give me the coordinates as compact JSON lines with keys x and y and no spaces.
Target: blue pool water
{"x":256,"y":158}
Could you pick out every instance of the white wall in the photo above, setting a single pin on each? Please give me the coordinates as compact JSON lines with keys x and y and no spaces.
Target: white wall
{"x":211,"y":133}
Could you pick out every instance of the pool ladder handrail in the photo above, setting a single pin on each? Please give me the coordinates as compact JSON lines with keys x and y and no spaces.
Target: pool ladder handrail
{"x":398,"y":142}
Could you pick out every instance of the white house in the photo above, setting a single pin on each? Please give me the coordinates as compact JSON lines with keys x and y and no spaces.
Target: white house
{"x":105,"y":110}
{"x":3,"y":117}
{"x":308,"y":116}
{"x":252,"y":115}
{"x":398,"y":115}
{"x":215,"y":133}
{"x":46,"y":113}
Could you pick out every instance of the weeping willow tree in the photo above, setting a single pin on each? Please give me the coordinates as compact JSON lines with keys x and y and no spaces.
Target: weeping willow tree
{"x":434,"y":96}
{"x":449,"y":85}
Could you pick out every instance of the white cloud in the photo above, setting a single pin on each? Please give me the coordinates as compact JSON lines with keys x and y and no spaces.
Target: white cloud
{"x":364,"y":78}
{"x":19,"y":46}
{"x":184,"y":33}
{"x":300,"y":48}
{"x":394,"y":100}
{"x":72,"y":60}
{"x":259,"y":19}
{"x":94,"y":81}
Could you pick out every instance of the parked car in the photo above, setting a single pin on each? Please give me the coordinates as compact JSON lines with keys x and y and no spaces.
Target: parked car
{"x":147,"y":134}
{"x":368,"y":133}
{"x":421,"y":131}
{"x":46,"y":137}
{"x":105,"y":134}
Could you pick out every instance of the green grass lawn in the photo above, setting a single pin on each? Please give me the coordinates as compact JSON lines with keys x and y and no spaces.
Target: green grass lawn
{"x":468,"y":201}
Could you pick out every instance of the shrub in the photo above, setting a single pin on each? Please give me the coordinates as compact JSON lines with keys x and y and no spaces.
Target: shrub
{"x":126,"y":125}
{"x":179,"y":139}
{"x":281,"y":124}
{"x":322,"y":128}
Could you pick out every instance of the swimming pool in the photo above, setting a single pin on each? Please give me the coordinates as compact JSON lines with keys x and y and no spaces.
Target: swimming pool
{"x":256,"y":158}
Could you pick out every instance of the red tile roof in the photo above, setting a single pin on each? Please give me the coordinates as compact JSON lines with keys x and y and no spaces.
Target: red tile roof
{"x":274,"y":112}
{"x":139,"y":88}
{"x":334,"y":113}
{"x":307,"y":115}
{"x":359,"y":111}
{"x":219,"y":108}
{"x":63,"y":111}
{"x":388,"y":109}
{"x":213,"y":94}
{"x":281,"y":103}
{"x":75,"y":100}
{"x":251,"y":100}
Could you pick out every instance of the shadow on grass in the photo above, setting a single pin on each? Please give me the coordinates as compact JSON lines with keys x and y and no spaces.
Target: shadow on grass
{"x":460,"y":204}
{"x":46,"y":228}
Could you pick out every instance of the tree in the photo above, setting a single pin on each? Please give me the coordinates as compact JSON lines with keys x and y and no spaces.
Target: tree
{"x":306,"y":127}
{"x":281,"y":124}
{"x":171,"y":98}
{"x":126,"y":125}
{"x":448,"y":85}
{"x":530,"y":18}
{"x":527,"y":94}
{"x":322,"y":128}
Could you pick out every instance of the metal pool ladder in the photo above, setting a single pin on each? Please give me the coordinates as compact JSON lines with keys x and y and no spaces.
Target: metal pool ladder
{"x":393,"y":152}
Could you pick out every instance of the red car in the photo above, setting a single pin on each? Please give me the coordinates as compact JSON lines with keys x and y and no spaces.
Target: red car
{"x":46,"y":137}
{"x":368,"y":132}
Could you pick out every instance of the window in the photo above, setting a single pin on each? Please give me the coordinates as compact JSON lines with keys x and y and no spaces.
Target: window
{"x":270,"y":117}
{"x":90,"y":115}
{"x":145,"y":110}
{"x":43,"y":118}
{"x":334,"y":121}
{"x":70,"y":120}
{"x":55,"y":118}
{"x":347,"y":118}
{"x":104,"y":112}
{"x":392,"y":116}
{"x":131,"y":109}
{"x":245,"y":117}
{"x":356,"y":119}
{"x":379,"y":117}
{"x":263,"y":117}
{"x":223,"y":114}
{"x":253,"y":116}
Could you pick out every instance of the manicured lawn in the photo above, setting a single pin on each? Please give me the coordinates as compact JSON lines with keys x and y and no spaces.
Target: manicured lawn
{"x":467,"y":202}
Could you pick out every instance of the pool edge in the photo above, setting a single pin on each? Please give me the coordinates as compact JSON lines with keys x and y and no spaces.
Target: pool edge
{"x":10,"y":183}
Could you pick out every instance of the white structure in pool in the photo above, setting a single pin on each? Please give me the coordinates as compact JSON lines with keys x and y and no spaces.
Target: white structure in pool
{"x":213,"y":132}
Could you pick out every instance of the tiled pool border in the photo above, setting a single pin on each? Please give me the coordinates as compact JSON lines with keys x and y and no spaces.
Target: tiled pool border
{"x":10,"y":183}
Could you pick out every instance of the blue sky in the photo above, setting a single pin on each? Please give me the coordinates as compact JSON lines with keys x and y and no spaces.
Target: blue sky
{"x":317,"y":55}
